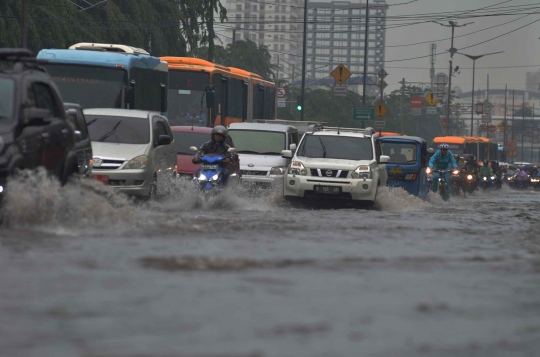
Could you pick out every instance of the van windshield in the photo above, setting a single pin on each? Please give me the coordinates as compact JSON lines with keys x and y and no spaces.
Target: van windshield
{"x":400,"y":153}
{"x":7,"y":87}
{"x":336,"y":147}
{"x":116,"y":129}
{"x":258,"y":142}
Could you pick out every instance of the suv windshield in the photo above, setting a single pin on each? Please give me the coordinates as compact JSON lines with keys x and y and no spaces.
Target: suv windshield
{"x":7,"y":87}
{"x":258,"y":142}
{"x":400,"y":153}
{"x":184,"y":140}
{"x":336,"y":147}
{"x":123,"y":130}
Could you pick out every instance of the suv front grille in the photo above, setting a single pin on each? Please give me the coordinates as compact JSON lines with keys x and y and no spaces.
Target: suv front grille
{"x":109,"y":165}
{"x":253,"y":172}
{"x":329,"y":173}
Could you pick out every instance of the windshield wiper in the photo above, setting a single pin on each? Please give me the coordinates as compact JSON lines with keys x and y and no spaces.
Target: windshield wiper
{"x":323,"y":147}
{"x":113,"y":130}
{"x":91,"y":122}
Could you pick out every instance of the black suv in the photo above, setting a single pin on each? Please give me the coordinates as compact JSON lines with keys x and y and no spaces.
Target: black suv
{"x":83,"y":146}
{"x":33,"y":127}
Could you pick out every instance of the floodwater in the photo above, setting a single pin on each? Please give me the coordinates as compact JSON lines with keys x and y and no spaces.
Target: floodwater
{"x":85,"y":272}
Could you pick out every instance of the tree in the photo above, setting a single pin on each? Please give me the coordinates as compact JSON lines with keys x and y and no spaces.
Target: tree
{"x":527,"y":111}
{"x":245,"y":55}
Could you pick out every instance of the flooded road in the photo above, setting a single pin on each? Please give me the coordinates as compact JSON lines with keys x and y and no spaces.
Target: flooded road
{"x":86,"y":273}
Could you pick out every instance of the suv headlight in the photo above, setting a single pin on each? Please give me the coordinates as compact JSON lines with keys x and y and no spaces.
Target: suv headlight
{"x":279,"y":170}
{"x":362,"y":172}
{"x":297,"y":168}
{"x":137,"y":163}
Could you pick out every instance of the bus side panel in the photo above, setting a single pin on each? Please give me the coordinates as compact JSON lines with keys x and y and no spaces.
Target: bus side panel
{"x":250,"y":99}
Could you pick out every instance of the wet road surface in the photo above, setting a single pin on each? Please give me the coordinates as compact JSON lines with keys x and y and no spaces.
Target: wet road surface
{"x":86,"y":273}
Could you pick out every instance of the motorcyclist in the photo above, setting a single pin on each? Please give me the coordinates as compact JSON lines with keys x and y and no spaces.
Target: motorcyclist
{"x":217,"y":146}
{"x":440,"y":161}
{"x":486,"y":171}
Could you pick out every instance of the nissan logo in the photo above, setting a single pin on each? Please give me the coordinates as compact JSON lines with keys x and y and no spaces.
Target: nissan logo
{"x":250,"y":165}
{"x":329,"y":173}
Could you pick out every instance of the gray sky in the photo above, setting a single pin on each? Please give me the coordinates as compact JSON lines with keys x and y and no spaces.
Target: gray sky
{"x":521,"y":47}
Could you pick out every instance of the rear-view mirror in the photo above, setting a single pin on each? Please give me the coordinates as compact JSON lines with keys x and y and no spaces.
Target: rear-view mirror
{"x":193,"y":148}
{"x":292,"y":147}
{"x":231,"y":150}
{"x":384,"y":159}
{"x":164,"y":140}
{"x":77,"y":135}
{"x":36,"y":116}
{"x":286,"y":154}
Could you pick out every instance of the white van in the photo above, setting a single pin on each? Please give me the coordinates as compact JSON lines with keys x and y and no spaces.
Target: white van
{"x":259,"y":147}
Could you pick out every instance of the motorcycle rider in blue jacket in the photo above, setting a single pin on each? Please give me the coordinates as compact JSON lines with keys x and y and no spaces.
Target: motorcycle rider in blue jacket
{"x":440,"y":161}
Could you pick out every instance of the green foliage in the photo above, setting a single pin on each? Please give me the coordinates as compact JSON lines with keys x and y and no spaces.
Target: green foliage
{"x":245,"y":55}
{"x":159,"y":26}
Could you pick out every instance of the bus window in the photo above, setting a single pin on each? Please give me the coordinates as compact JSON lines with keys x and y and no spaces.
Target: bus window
{"x":244,"y":101}
{"x":234,"y":98}
{"x":186,"y":88}
{"x":224,"y":112}
{"x":148,"y":88}
{"x":258,"y":102}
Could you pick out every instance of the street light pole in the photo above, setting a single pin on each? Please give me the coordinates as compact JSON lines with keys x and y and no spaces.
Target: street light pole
{"x":452,"y":50}
{"x":474,"y":58}
{"x":304,"y":52}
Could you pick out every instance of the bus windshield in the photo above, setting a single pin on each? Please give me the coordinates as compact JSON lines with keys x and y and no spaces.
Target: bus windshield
{"x":89,"y":86}
{"x":185,"y":91}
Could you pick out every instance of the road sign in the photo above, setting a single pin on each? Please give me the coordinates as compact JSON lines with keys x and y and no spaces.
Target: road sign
{"x":511,"y":144}
{"x":382,"y":74}
{"x":382,"y":84}
{"x":492,"y":129}
{"x":380,"y":110}
{"x":340,"y":74}
{"x":431,"y":110}
{"x":443,"y":122}
{"x":340,"y":91}
{"x":486,"y":118}
{"x":430,"y":99}
{"x":487,"y":107}
{"x":501,"y":126}
{"x":416,"y":102}
{"x":281,"y":92}
{"x":416,"y":111}
{"x":441,"y":92}
{"x":380,"y":124}
{"x":281,"y":104}
{"x":512,"y":152}
{"x":364,"y":112}
{"x":482,"y":127}
{"x":441,"y":78}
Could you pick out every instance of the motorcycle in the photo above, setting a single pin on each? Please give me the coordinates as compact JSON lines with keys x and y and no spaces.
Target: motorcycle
{"x":497,"y":180}
{"x":209,"y":179}
{"x":470,"y":181}
{"x":455,"y":183}
{"x":485,"y":182}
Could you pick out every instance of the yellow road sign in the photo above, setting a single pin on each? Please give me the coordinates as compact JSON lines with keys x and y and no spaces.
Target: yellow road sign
{"x":501,"y":126}
{"x":341,"y":74}
{"x":512,"y":153}
{"x":380,"y":110}
{"x":430,"y":99}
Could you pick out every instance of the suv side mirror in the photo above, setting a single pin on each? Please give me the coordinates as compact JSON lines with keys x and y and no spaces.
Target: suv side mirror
{"x":292,"y":147}
{"x":193,"y":148}
{"x":384,"y":159}
{"x":36,"y":116}
{"x":164,"y":140}
{"x":231,"y":150}
{"x":78,"y":136}
{"x":286,"y":154}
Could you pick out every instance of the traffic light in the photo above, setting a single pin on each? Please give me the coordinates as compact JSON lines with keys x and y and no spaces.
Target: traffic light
{"x":298,"y":103}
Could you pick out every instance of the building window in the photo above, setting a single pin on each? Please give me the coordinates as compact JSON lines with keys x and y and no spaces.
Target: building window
{"x":275,"y":47}
{"x":283,"y":19}
{"x":322,"y":51}
{"x":282,"y":47}
{"x":340,"y":52}
{"x":283,"y":27}
{"x":340,"y":43}
{"x":239,"y":7}
{"x":254,"y":8}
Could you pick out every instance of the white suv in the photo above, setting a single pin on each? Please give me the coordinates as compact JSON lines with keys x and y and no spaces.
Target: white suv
{"x":336,"y":163}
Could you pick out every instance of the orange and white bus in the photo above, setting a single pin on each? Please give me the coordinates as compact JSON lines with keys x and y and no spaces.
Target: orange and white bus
{"x":481,"y":148}
{"x":239,"y":95}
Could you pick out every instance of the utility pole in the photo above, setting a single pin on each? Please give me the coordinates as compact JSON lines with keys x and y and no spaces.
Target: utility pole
{"x":523,"y":129}
{"x":432,"y":60}
{"x":366,"y":50}
{"x":401,"y":102}
{"x":513,"y":116}
{"x":277,"y":76}
{"x":532,"y":135}
{"x":487,"y":97}
{"x":504,"y":122}
{"x":304,"y":53}
{"x":292,"y":87}
{"x":24,"y":24}
{"x":452,"y":51}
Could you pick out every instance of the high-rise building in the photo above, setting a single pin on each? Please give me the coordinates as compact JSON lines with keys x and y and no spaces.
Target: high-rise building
{"x":533,"y":81}
{"x":336,"y":34}
{"x":272,"y":23}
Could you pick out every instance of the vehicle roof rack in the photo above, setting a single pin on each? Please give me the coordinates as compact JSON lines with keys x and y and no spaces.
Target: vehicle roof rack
{"x":22,"y":59}
{"x":367,"y":131}
{"x":88,"y":46}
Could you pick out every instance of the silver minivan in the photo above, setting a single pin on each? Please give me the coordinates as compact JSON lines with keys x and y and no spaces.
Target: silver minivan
{"x":131,"y":149}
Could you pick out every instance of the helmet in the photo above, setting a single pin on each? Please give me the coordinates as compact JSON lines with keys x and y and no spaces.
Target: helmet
{"x":220,"y":129}
{"x":443,"y":146}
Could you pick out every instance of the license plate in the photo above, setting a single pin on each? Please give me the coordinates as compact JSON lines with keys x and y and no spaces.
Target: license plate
{"x":101,"y":178}
{"x":209,"y":167}
{"x":329,"y":190}
{"x":396,"y":171}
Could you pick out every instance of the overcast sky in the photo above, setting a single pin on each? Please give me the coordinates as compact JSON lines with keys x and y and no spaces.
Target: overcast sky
{"x":521,"y":47}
